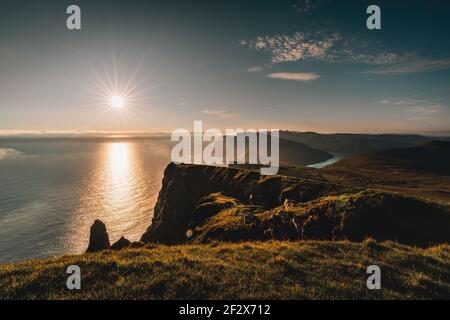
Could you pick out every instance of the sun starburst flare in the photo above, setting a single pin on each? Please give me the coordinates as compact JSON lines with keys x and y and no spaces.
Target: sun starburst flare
{"x":118,"y":96}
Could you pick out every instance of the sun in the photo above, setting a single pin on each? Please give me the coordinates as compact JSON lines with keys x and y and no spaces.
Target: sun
{"x":118,"y":94}
{"x":117,"y":102}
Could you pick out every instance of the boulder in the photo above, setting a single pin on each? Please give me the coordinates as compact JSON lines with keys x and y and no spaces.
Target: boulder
{"x":121,"y":243}
{"x":98,"y":238}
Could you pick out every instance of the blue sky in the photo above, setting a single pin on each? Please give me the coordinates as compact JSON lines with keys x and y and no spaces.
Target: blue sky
{"x":299,"y":65}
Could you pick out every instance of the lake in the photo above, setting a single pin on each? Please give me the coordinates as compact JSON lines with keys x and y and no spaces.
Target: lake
{"x":329,"y":162}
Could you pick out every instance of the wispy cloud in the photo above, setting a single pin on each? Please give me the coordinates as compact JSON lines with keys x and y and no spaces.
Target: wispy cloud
{"x":427,"y":109}
{"x":335,"y":48}
{"x":221,"y":114}
{"x":302,"y":6}
{"x":321,"y":46}
{"x":412,"y":64}
{"x":419,"y":108}
{"x":294,"y":76}
{"x":255,"y":69}
{"x":231,"y":115}
{"x":213,"y":112}
{"x":404,"y":101}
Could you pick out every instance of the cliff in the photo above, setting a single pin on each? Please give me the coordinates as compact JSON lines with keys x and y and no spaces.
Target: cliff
{"x":185,"y":185}
{"x":200,"y":204}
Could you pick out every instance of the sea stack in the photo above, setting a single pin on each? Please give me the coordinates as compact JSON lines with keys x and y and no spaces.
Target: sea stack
{"x":98,"y":238}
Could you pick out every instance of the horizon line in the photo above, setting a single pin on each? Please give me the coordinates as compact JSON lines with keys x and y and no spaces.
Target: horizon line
{"x":74,"y":132}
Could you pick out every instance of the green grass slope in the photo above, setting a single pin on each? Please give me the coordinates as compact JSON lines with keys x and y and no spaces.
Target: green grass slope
{"x":271,"y":270}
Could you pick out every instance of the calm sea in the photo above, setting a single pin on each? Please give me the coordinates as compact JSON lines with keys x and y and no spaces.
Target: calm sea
{"x":52,"y":189}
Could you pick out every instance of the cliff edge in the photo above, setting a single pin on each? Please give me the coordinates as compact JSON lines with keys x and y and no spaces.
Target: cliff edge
{"x":199,"y":204}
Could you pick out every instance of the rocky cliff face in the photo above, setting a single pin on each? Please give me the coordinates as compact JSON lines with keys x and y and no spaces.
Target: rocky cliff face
{"x":202,"y":203}
{"x":185,"y":185}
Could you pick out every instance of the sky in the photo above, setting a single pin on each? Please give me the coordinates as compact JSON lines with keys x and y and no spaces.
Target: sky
{"x":299,"y":65}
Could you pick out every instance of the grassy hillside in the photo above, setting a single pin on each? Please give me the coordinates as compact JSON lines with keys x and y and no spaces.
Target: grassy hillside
{"x":271,"y":270}
{"x":429,"y":157}
{"x":350,"y":143}
{"x":351,"y":216}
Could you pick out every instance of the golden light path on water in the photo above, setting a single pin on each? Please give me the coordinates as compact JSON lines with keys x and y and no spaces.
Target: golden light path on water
{"x":118,"y":189}
{"x":117,"y":193}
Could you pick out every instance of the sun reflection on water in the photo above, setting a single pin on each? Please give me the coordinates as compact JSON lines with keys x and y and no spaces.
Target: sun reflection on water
{"x":119,"y":157}
{"x":117,"y":193}
{"x":121,"y":179}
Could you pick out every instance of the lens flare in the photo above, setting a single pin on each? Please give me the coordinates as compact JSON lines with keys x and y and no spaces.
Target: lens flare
{"x":118,"y":94}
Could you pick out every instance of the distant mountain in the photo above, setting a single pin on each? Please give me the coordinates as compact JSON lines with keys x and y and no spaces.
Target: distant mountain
{"x":432,"y":157}
{"x":299,"y":154}
{"x":355,"y":143}
{"x":296,"y":153}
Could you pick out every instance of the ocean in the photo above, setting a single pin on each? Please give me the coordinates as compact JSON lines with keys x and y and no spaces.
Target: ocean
{"x":53,"y":188}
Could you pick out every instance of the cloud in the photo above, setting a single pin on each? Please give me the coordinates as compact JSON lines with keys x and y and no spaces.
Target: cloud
{"x":421,"y":108}
{"x":373,"y":58}
{"x":255,"y":69}
{"x":299,"y":46}
{"x":231,"y":115}
{"x":413,"y":64}
{"x":303,"y":6}
{"x":221,"y":114}
{"x":213,"y":112}
{"x":404,"y":101}
{"x":335,"y":48}
{"x":294,"y":76}
{"x":321,"y":46}
{"x":9,"y":153}
{"x":426,"y":109}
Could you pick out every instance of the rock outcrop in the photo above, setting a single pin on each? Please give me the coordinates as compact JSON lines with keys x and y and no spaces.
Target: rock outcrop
{"x":121,"y":244}
{"x":201,"y":204}
{"x":98,"y":238}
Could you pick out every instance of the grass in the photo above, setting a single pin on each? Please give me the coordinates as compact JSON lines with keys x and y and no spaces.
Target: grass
{"x":350,"y":216}
{"x":249,"y":270}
